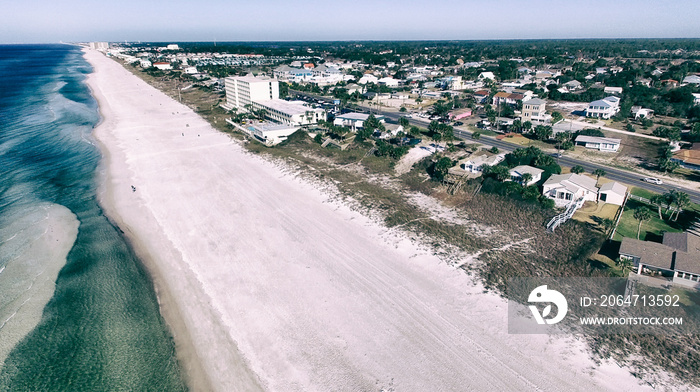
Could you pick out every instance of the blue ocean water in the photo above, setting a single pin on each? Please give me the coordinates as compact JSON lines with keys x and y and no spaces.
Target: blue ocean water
{"x":88,"y":320}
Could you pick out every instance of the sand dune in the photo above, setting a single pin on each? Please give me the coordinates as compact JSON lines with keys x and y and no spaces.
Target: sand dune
{"x":269,"y":285}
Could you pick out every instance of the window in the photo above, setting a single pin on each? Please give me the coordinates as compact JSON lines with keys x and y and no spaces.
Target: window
{"x":569,"y":196}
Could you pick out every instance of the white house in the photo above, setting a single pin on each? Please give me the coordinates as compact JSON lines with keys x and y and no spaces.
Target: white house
{"x":291,"y":113}
{"x":639,"y":112}
{"x":613,"y":90}
{"x":612,"y":193}
{"x":573,"y":85}
{"x":389,"y":82}
{"x":603,"y":108}
{"x":354,"y":120}
{"x":598,"y":143}
{"x":272,"y":134}
{"x":696,"y":98}
{"x":368,"y":78}
{"x":486,"y":75}
{"x":517,"y":173}
{"x":479,"y":160}
{"x":692,"y":79}
{"x":145,"y":64}
{"x":567,"y":188}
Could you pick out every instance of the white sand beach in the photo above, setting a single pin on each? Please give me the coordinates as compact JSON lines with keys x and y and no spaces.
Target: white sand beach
{"x":267,"y":285}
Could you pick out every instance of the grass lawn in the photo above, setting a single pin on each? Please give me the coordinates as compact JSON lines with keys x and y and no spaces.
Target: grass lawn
{"x":483,"y":132}
{"x":652,"y":229}
{"x":641,"y":192}
{"x":519,"y":140}
{"x":594,"y":213}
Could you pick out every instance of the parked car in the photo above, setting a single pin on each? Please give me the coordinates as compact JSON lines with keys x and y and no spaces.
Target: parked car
{"x":653,"y":180}
{"x":458,"y":123}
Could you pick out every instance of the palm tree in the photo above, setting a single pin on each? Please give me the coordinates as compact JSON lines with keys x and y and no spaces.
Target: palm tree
{"x":682,"y":200}
{"x":670,"y":199}
{"x":641,"y":214}
{"x":624,"y":264}
{"x":658,"y":201}
{"x":598,"y":173}
{"x":607,"y":224}
{"x":577,"y":169}
{"x":527,"y":177}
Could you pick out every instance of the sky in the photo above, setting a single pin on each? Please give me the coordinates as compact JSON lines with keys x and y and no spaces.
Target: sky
{"x":43,"y":21}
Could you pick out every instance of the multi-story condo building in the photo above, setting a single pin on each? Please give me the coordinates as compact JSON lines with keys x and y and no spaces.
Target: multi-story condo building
{"x":251,"y":93}
{"x":244,"y":90}
{"x":534,"y":111}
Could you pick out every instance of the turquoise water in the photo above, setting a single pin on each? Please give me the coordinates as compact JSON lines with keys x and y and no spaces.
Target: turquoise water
{"x":99,"y":328}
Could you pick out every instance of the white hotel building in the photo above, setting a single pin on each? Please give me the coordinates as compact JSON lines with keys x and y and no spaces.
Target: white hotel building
{"x":263,"y":93}
{"x":244,"y":90}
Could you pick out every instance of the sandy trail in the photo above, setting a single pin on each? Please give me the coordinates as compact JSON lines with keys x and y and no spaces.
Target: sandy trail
{"x":268,"y":285}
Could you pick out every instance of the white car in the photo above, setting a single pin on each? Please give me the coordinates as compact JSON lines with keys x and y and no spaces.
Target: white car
{"x":653,"y":180}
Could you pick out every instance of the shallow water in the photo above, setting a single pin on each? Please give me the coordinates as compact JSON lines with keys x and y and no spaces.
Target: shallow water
{"x":77,"y":311}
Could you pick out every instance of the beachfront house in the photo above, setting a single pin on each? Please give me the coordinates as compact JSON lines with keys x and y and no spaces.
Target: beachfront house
{"x":477,"y":162}
{"x":566,"y":188}
{"x":354,"y":120}
{"x":677,"y":257}
{"x":605,"y":144}
{"x":517,"y":173}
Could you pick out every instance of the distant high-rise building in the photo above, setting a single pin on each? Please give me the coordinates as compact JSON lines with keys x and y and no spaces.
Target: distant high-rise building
{"x":101,"y":46}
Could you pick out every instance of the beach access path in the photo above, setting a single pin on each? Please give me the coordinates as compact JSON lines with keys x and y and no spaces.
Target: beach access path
{"x":269,"y":285}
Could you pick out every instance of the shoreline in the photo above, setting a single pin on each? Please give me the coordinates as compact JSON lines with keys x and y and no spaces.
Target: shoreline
{"x":303,"y":296}
{"x":190,"y":362}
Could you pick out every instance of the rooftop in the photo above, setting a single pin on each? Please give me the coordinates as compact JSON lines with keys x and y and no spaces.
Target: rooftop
{"x":522,"y":169}
{"x":288,"y":107}
{"x":357,"y":116}
{"x":615,"y":187}
{"x":679,"y":251}
{"x":574,"y":179}
{"x":596,"y":139}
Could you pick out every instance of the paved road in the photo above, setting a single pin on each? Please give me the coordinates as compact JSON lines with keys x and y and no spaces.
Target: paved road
{"x":614,"y":174}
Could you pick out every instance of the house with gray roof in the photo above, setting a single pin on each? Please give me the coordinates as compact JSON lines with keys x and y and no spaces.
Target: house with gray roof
{"x":612,"y":193}
{"x":603,"y":108}
{"x":567,"y":188}
{"x":692,"y":79}
{"x":677,"y":257}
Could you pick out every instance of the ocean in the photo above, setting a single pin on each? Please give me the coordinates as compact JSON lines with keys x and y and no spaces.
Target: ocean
{"x":77,"y":310}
